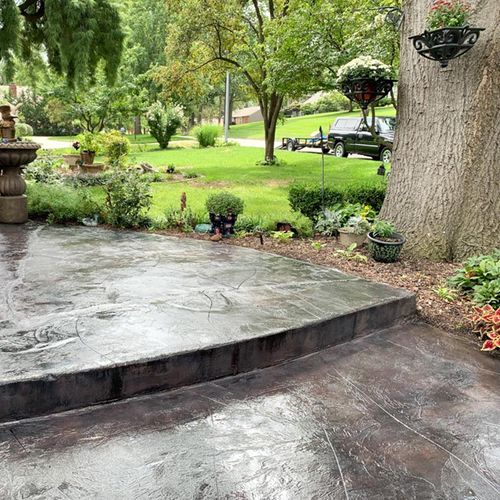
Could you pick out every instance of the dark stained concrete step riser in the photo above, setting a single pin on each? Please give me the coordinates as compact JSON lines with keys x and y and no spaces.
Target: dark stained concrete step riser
{"x":48,"y":395}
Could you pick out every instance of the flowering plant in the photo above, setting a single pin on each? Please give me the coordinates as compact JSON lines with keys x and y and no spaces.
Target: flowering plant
{"x":363,"y":67}
{"x":486,"y":323}
{"x":447,"y":14}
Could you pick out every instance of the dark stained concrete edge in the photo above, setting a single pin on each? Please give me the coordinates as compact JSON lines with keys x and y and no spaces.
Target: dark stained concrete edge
{"x":56,"y":393}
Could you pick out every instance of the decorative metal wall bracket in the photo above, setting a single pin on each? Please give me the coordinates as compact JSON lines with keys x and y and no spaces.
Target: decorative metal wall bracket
{"x":445,"y":44}
{"x":366,"y":91}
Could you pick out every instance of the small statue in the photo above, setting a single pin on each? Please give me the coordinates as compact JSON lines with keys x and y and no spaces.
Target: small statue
{"x":8,"y":124}
{"x":183,"y":202}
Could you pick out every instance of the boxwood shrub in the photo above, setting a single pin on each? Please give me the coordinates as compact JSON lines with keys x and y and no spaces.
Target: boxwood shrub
{"x":307,"y":199}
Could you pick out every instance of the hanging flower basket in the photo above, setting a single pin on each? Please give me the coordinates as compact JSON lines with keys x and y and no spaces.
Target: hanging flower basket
{"x":366,"y":91}
{"x":365,"y":80}
{"x":447,"y":35}
{"x":445,"y":44}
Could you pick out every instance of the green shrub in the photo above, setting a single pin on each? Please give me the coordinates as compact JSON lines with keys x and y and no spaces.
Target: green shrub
{"x":307,"y":199}
{"x":90,"y":142}
{"x":23,"y":130}
{"x":87,"y":180}
{"x":249,"y":223}
{"x":224,"y":203}
{"x":128,"y":197}
{"x":163,"y":121}
{"x":44,"y":170}
{"x":479,"y":278}
{"x":116,"y":148}
{"x":329,"y":103}
{"x":59,"y":204}
{"x":366,"y":194}
{"x":185,"y":220}
{"x":206,"y":135}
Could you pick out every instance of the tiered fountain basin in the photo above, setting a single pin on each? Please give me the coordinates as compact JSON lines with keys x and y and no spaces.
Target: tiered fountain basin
{"x":13,"y":202}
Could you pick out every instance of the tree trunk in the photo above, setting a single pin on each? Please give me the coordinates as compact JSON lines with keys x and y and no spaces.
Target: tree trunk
{"x":270,"y":109}
{"x":137,"y":125}
{"x":444,"y":188}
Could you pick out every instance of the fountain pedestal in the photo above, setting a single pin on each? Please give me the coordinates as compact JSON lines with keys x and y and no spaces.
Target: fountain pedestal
{"x":13,"y":202}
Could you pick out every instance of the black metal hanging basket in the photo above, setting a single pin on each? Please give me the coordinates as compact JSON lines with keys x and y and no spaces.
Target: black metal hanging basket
{"x":366,"y":91}
{"x":445,"y":44}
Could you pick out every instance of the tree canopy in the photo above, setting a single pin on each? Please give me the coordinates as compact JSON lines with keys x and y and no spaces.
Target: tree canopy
{"x":74,"y":36}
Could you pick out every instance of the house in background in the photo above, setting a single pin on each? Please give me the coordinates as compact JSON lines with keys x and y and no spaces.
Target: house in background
{"x":247,"y":115}
{"x":12,"y":91}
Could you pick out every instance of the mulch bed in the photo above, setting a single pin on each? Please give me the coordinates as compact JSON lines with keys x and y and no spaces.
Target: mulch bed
{"x":420,"y":276}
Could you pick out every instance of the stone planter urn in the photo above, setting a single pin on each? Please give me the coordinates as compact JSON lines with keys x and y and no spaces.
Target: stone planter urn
{"x":14,"y":155}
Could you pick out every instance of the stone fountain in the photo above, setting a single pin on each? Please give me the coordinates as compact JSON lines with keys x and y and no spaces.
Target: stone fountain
{"x":14,"y":155}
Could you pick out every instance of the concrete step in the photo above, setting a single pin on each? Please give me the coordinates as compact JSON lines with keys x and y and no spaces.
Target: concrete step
{"x":91,"y":315}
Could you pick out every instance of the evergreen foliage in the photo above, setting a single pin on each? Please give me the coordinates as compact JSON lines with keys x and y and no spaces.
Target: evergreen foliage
{"x":76,"y":35}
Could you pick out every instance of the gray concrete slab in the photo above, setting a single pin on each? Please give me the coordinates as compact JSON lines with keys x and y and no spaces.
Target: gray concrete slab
{"x":409,"y":413}
{"x":89,"y":315}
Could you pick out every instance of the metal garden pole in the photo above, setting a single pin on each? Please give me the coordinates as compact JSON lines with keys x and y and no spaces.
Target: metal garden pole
{"x":226,"y":111}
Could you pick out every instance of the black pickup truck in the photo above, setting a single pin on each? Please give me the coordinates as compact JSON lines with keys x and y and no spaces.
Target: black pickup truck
{"x":351,"y":135}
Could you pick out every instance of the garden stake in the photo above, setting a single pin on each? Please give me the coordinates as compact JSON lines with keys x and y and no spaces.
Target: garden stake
{"x":322,"y":170}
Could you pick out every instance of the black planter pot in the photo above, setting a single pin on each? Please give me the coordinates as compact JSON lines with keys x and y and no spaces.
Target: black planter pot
{"x":385,"y":251}
{"x":445,"y":44}
{"x":223,"y":225}
{"x":366,"y":91}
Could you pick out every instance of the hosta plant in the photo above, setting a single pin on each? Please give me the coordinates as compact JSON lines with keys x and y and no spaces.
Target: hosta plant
{"x":486,"y":323}
{"x":479,"y":278}
{"x":448,"y":14}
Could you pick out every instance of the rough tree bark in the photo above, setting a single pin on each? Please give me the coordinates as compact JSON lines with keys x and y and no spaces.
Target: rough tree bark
{"x":270,"y":108}
{"x":444,"y":188}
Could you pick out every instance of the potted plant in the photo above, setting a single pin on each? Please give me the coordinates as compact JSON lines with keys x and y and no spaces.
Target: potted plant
{"x":447,"y":34}
{"x":223,"y":209}
{"x":365,"y":80}
{"x":384,"y":243}
{"x":72,"y":159}
{"x":354,"y":231}
{"x":90,"y":145}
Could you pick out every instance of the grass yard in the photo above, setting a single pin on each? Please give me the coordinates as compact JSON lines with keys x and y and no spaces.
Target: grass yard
{"x":301,"y":126}
{"x":263,"y":188}
{"x":134,"y":139}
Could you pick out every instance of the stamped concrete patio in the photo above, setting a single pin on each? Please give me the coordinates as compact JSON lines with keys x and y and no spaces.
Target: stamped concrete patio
{"x":408,"y":413}
{"x":90,"y":315}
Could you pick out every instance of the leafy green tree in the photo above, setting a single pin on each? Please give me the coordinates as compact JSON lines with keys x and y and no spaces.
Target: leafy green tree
{"x":74,"y":35}
{"x":163,"y":121}
{"x":283,"y":48}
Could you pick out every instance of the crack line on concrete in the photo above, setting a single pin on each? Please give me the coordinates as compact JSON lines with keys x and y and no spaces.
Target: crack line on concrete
{"x":18,"y":441}
{"x":411,"y":429}
{"x":211,"y":304}
{"x":87,"y":345}
{"x":338,"y":463}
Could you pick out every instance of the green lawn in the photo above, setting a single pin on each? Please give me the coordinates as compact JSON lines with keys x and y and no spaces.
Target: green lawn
{"x":134,"y":139}
{"x":263,"y":188}
{"x":302,"y":126}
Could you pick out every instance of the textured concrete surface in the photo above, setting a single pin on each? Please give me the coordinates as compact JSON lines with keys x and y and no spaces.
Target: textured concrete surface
{"x":409,"y":413}
{"x":115,"y":314}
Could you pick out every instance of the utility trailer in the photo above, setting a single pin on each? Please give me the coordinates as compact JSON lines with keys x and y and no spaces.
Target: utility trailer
{"x":298,"y":143}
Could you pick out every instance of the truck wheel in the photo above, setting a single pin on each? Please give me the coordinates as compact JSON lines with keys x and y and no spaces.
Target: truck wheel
{"x":385,"y":155}
{"x":339,"y":150}
{"x":290,"y":145}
